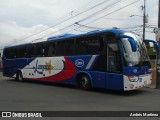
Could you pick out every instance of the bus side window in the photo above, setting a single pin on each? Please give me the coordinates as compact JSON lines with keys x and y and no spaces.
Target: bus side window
{"x":93,"y":45}
{"x":65,"y":48}
{"x":10,"y":53}
{"x":40,"y":50}
{"x":102,"y":47}
{"x":69,"y":47}
{"x":89,"y":45}
{"x":28,"y":51}
{"x":49,"y":49}
{"x":21,"y":52}
{"x":113,"y":58}
{"x":80,"y":46}
{"x":34,"y":51}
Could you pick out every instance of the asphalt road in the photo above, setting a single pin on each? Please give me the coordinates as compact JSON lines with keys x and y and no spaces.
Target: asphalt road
{"x":38,"y":96}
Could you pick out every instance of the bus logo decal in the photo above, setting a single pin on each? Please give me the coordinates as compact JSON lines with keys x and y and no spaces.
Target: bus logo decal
{"x":79,"y":63}
{"x":40,"y":68}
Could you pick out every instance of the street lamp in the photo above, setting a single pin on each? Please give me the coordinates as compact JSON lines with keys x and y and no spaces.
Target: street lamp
{"x":145,"y":18}
{"x":136,"y":15}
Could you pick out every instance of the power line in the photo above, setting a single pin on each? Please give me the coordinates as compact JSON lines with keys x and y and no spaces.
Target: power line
{"x":89,"y":26}
{"x":132,"y":27}
{"x":104,"y":1}
{"x":108,"y":13}
{"x":62,"y":29}
{"x":95,"y":13}
{"x":114,"y":11}
{"x":103,"y":9}
{"x":81,"y":31}
{"x":125,"y":19}
{"x":71,"y":24}
{"x":87,"y":17}
{"x":42,"y":11}
{"x":59,"y":20}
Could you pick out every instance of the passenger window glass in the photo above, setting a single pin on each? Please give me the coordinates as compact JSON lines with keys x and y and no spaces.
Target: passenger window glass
{"x":90,"y":45}
{"x":65,"y":48}
{"x":10,"y":53}
{"x":51,"y":50}
{"x":113,"y":58}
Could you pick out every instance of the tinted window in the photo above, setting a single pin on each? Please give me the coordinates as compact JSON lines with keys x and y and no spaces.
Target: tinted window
{"x":49,"y":49}
{"x":21,"y":52}
{"x":65,"y":48}
{"x":113,"y":58}
{"x":10,"y":53}
{"x":89,"y":45}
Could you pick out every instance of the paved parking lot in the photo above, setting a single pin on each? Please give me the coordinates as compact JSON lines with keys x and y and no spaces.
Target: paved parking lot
{"x":38,"y":96}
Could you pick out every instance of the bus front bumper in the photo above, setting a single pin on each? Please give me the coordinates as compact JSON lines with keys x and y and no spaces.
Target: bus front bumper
{"x":135,"y":82}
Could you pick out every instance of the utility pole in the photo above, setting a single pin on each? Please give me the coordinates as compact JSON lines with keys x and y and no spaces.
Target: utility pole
{"x":158,"y":62}
{"x":159,"y":15}
{"x":144,"y":19}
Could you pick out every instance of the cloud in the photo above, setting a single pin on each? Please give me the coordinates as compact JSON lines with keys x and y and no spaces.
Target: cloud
{"x":22,"y":18}
{"x":10,"y":33}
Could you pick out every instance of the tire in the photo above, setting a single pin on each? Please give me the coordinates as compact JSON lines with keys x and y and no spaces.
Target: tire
{"x":85,"y":82}
{"x":19,"y":76}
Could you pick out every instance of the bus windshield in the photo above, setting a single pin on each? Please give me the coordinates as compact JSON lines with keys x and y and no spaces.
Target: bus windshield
{"x":135,"y":59}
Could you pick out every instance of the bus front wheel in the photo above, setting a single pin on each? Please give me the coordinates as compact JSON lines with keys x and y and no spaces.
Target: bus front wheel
{"x":85,"y":82}
{"x":19,"y":76}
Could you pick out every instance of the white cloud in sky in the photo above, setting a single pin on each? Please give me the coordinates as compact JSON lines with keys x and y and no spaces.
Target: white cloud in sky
{"x":9,"y":31}
{"x":22,"y":18}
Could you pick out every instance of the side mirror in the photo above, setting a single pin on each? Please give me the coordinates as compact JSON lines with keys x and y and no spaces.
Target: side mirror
{"x":155,"y":43}
{"x":132,"y":41}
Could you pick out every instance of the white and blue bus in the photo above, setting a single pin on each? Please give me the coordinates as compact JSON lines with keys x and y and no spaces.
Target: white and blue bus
{"x":109,"y":59}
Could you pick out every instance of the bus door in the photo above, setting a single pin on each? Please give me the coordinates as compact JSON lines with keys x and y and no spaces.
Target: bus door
{"x":114,"y":67}
{"x":100,"y":65}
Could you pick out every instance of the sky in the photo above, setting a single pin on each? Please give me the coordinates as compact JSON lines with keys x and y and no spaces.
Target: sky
{"x":23,"y":21}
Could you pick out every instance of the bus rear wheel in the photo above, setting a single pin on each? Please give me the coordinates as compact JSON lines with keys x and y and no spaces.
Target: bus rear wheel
{"x":19,"y":76}
{"x":85,"y":82}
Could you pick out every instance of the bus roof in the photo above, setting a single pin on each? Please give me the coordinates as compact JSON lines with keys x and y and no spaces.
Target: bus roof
{"x":117,"y":32}
{"x":64,"y":36}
